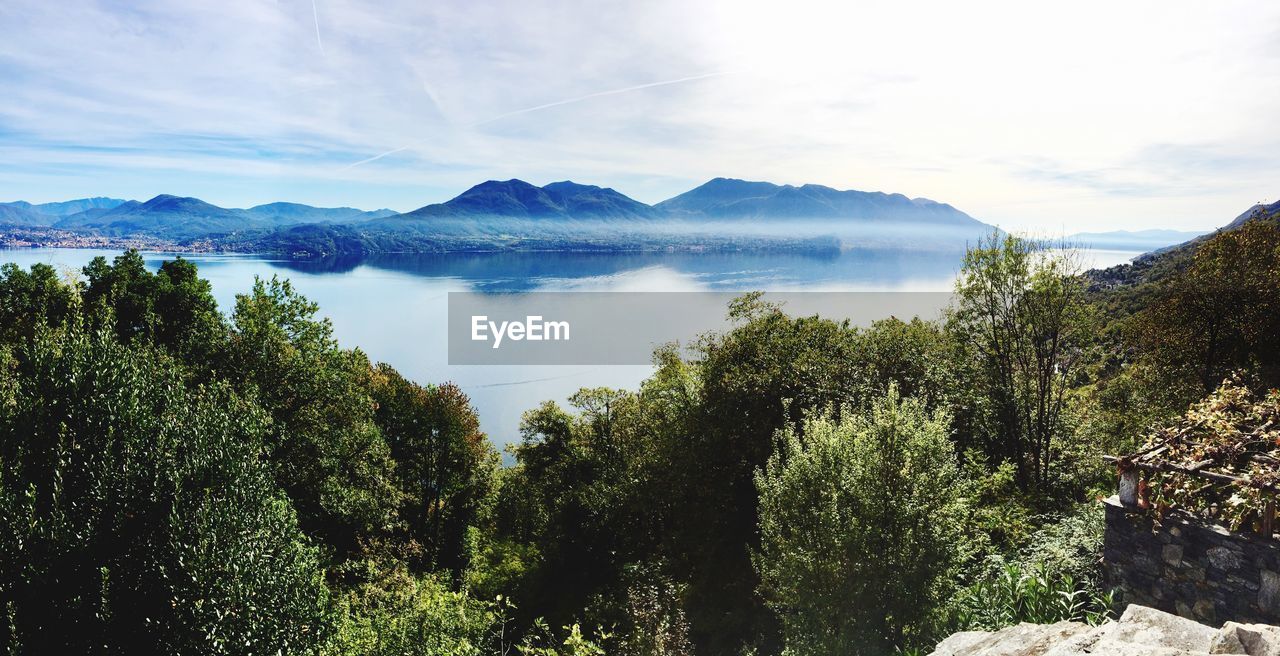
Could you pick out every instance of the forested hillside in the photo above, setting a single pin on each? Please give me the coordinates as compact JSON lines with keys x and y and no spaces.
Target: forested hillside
{"x":180,"y":479}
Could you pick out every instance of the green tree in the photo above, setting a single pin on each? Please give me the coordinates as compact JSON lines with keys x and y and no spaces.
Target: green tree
{"x":325,"y":447}
{"x":391,"y":612}
{"x":29,"y":300}
{"x":1218,"y":315}
{"x":445,"y":467}
{"x":173,"y":308}
{"x":861,"y":528}
{"x":763,"y":374}
{"x":570,"y":497}
{"x":136,"y":513}
{"x":1021,"y":314}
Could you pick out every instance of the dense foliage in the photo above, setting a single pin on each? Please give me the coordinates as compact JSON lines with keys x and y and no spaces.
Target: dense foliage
{"x":862,"y":527}
{"x":1233,"y":432}
{"x":174,"y":479}
{"x":139,"y":514}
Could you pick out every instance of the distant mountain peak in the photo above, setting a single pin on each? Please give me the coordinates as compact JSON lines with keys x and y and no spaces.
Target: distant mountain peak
{"x":519,"y":199}
{"x":734,"y":199}
{"x":68,"y":207}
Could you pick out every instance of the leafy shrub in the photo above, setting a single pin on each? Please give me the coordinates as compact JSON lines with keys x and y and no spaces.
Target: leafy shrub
{"x":391,"y":612}
{"x":860,"y":522}
{"x":1035,"y":593}
{"x":136,"y":514}
{"x":1071,"y":543}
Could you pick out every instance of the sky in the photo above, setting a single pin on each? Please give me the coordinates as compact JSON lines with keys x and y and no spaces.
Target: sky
{"x":1047,"y":117}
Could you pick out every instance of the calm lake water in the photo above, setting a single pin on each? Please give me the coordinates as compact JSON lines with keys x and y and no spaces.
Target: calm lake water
{"x":394,"y":307}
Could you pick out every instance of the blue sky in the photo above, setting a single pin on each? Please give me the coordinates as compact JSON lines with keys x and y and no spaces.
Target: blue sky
{"x":1049,"y":117}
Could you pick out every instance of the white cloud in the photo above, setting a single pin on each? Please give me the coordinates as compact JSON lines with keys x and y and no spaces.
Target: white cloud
{"x":1083,"y":115}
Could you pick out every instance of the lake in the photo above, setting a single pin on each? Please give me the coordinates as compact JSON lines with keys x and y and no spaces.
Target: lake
{"x":394,"y":307}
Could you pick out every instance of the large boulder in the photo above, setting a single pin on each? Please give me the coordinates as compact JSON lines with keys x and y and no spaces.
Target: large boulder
{"x":1019,"y":640}
{"x":1140,"y":631}
{"x":1251,"y":639}
{"x":1154,"y":628}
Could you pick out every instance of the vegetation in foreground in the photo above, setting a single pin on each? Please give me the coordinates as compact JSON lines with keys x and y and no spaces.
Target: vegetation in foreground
{"x":176,"y":480}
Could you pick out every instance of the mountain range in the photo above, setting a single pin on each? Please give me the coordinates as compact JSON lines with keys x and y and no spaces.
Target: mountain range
{"x":725,"y":198}
{"x":722,"y":213}
{"x":171,"y":217}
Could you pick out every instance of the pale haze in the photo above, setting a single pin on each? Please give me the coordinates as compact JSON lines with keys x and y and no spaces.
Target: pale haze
{"x":1054,"y":117}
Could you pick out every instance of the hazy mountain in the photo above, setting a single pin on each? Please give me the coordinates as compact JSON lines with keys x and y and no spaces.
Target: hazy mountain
{"x":519,"y":199}
{"x":287,"y":213}
{"x":1271,"y":212}
{"x":165,"y":216}
{"x":68,"y":207}
{"x":1161,"y":262}
{"x":21,"y":214}
{"x":727,"y":198}
{"x":596,"y":202}
{"x":178,"y":217}
{"x":723,"y":214}
{"x":710,"y":197}
{"x":1132,"y":240}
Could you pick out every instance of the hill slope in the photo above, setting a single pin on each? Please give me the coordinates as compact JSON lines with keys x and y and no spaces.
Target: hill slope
{"x":519,"y":199}
{"x":727,"y":198}
{"x":1122,"y":286}
{"x":290,"y":213}
{"x":165,"y":216}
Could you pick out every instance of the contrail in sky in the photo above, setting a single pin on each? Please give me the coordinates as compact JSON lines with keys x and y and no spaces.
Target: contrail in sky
{"x":375,"y":157}
{"x":549,"y":105}
{"x":598,"y":94}
{"x":315,"y":14}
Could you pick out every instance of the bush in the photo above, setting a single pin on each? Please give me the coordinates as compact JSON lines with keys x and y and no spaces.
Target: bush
{"x":136,"y":515}
{"x":391,"y":612}
{"x":861,"y":534}
{"x":1034,"y":593}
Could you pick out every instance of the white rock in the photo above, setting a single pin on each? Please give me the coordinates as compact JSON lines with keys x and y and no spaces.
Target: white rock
{"x":1140,"y":625}
{"x":957,"y":641}
{"x":1251,"y":639}
{"x":1023,"y":639}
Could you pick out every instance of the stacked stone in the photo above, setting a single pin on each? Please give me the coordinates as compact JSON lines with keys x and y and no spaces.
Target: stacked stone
{"x":1194,"y":568}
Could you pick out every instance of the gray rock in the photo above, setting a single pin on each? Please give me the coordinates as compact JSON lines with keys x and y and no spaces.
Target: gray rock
{"x":957,"y":641}
{"x":1251,"y":639}
{"x":1114,"y":648}
{"x":1023,"y":639}
{"x":1224,"y":558}
{"x":1140,"y":631}
{"x":1227,"y":642}
{"x":1098,"y":641}
{"x":1268,"y":589}
{"x":1140,"y":625}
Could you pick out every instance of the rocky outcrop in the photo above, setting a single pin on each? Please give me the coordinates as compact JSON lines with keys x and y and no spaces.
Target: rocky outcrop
{"x":1140,"y":631}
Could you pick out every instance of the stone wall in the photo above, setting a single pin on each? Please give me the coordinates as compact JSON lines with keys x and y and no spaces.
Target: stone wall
{"x":1193,"y":568}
